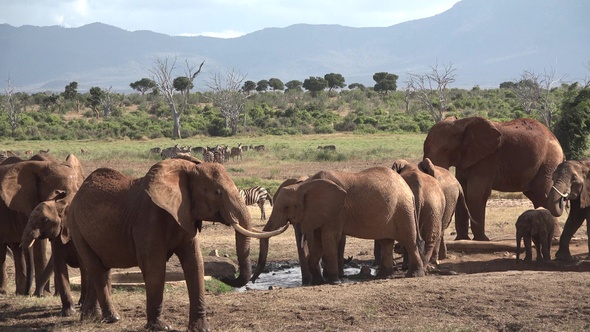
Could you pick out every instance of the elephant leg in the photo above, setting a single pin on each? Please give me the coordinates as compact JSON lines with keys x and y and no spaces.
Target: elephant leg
{"x":476,"y":202}
{"x":537,"y":242}
{"x":528,"y":249}
{"x":301,"y":242}
{"x":99,"y":286}
{"x":3,"y":273}
{"x":41,"y":261}
{"x":262,"y":212}
{"x":442,"y":248}
{"x":22,"y":262}
{"x":191,"y":261}
{"x":62,"y":284}
{"x":572,"y":224}
{"x":330,"y":245}
{"x":588,"y":236}
{"x":315,"y":255}
{"x":341,"y":246}
{"x":44,"y":279}
{"x":386,"y":263}
{"x":376,"y":253}
{"x":546,"y":247}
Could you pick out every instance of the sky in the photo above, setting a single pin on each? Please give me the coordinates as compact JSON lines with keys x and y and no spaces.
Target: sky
{"x":216,"y":18}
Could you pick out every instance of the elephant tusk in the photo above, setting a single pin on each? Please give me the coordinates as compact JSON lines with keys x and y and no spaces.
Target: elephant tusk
{"x":259,"y":235}
{"x":560,"y":193}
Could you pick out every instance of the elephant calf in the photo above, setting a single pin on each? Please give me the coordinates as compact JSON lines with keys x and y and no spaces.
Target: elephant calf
{"x":535,"y":225}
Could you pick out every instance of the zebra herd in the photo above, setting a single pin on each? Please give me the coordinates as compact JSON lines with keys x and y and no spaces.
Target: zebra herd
{"x":219,"y":153}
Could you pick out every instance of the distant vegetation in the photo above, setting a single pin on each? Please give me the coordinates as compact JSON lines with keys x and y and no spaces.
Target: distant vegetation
{"x":101,"y":114}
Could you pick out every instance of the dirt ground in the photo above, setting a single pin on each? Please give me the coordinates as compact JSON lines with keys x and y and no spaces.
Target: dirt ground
{"x":489,"y":292}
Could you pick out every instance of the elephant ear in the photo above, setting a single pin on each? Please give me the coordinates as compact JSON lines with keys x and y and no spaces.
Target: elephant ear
{"x":167,"y":184}
{"x":480,"y":140}
{"x":19,"y":186}
{"x":426,"y":166}
{"x":62,"y":204}
{"x":399,"y":165}
{"x":585,"y":194}
{"x":321,"y":200}
{"x":75,"y":164}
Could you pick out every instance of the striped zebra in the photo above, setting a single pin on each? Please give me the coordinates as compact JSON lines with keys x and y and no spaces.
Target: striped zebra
{"x":257,"y":195}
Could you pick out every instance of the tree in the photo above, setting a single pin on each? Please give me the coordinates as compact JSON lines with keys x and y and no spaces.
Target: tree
{"x":385,"y":82}
{"x":573,"y":128}
{"x":334,"y":81}
{"x":71,"y":94}
{"x":227,"y":97}
{"x":262,"y":86}
{"x":143,"y":85}
{"x":314,"y":85}
{"x":101,"y":100}
{"x":431,"y":89}
{"x":11,"y":106}
{"x":356,"y":86}
{"x":162,"y":75}
{"x":248,"y":87}
{"x":276,"y":84}
{"x":534,"y":93}
{"x":293,"y":86}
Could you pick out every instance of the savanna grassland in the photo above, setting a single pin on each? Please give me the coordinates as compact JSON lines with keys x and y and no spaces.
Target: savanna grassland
{"x":490,"y":292}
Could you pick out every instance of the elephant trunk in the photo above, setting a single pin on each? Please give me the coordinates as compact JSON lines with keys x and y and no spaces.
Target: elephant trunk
{"x":235,"y":212}
{"x":556,"y":199}
{"x":29,"y":271}
{"x":264,"y":243}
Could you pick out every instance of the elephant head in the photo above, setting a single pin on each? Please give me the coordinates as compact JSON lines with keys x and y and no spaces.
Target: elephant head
{"x":193,"y":192}
{"x":308,"y":204}
{"x":461,"y":142}
{"x":45,"y":222}
{"x":27,"y":183}
{"x":571,"y":181}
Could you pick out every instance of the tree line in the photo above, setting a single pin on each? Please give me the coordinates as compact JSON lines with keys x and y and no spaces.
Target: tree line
{"x":165,"y":106}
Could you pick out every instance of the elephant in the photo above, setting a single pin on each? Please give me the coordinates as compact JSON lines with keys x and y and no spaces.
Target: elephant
{"x":571,"y":183}
{"x":48,"y":221}
{"x":454,"y":199}
{"x":375,"y":203}
{"x":514,"y":156}
{"x":116,"y":221}
{"x":23,"y":185}
{"x":430,"y":206}
{"x":535,"y":225}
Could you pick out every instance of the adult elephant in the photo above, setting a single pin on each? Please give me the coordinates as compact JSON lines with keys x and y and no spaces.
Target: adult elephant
{"x":454,"y":199}
{"x":47,"y":221}
{"x":119,"y":222}
{"x":23,"y":185}
{"x":571,"y":182}
{"x":372,"y":204}
{"x":514,"y":156}
{"x":430,"y":206}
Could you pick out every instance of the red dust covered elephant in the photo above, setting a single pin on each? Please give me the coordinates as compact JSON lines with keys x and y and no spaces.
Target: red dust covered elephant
{"x":515,"y":156}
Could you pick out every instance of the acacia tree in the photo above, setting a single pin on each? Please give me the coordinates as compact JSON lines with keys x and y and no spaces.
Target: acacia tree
{"x":71,"y":93}
{"x":294,"y":86}
{"x":534,"y":93}
{"x":276,"y":84}
{"x":334,"y":81}
{"x":227,"y":97}
{"x":574,"y":125}
{"x":431,"y":89}
{"x":248,"y":87}
{"x":101,"y":100}
{"x":385,"y":82}
{"x":11,"y":106}
{"x":314,"y":85}
{"x":162,"y":75}
{"x":143,"y":85}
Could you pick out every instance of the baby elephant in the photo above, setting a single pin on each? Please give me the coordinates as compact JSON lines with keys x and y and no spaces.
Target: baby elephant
{"x":535,"y":225}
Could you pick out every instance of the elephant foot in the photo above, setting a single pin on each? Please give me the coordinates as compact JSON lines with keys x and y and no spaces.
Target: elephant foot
{"x":92,"y":315}
{"x":415,"y":273}
{"x":564,"y":256}
{"x":201,"y":325}
{"x":315,"y":281}
{"x":481,"y":238}
{"x":159,"y":325}
{"x":334,"y":282}
{"x":462,"y":237}
{"x":110,"y":319}
{"x":68,"y":311}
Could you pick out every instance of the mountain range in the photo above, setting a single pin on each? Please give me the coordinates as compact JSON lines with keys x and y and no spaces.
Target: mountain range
{"x":487,"y":42}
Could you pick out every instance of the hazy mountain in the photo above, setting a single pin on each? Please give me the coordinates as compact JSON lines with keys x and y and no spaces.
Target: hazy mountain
{"x":488,"y":42}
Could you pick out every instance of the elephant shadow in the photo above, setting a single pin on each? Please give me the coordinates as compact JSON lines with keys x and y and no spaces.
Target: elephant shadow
{"x":509,"y":264}
{"x":23,"y":316}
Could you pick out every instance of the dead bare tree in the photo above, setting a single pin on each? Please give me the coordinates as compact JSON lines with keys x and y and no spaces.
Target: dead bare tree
{"x":162,"y":74}
{"x":430,"y":89}
{"x":534,"y":92}
{"x":11,"y":106}
{"x":227,"y":96}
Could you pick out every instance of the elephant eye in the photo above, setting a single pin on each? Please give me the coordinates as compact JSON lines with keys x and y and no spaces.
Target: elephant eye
{"x":45,"y":220}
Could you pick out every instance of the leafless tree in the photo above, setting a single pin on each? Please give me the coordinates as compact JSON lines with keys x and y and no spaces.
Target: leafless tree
{"x":228,"y":98}
{"x":11,"y":106}
{"x":534,"y":92}
{"x":430,"y":89}
{"x":162,"y":74}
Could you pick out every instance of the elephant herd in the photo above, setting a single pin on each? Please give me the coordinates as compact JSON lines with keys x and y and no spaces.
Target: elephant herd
{"x":109,"y":220}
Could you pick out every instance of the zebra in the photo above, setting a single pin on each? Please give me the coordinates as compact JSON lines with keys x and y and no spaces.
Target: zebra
{"x":256,"y":195}
{"x":236,"y":152}
{"x":208,"y":156}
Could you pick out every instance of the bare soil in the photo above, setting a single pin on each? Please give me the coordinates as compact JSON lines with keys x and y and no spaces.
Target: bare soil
{"x":489,"y":292}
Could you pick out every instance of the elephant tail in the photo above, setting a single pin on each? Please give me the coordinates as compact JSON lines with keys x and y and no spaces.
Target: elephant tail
{"x":420,"y":243}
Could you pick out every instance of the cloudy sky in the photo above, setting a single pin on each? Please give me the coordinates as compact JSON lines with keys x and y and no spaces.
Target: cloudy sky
{"x":216,"y":18}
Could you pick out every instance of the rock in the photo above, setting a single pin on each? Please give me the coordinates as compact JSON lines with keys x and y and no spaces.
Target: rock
{"x":220,"y":267}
